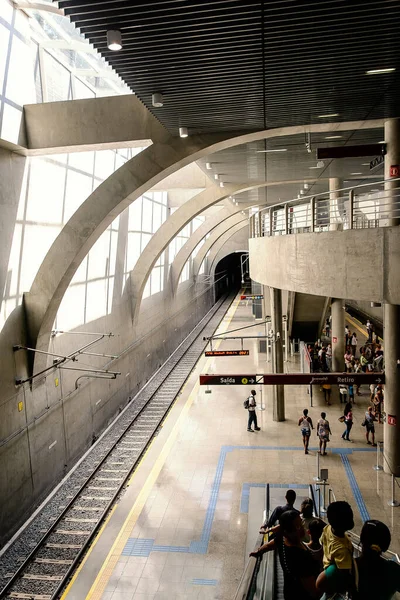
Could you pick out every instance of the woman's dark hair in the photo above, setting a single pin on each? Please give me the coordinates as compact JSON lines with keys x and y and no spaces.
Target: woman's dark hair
{"x":305,"y":412}
{"x":287,"y":519}
{"x":307,"y":508}
{"x":347,"y":408}
{"x":375,"y":536}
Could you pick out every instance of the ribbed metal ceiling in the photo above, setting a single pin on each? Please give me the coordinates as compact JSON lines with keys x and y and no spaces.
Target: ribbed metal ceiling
{"x":229,"y":65}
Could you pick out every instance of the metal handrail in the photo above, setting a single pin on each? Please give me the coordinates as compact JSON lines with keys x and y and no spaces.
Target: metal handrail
{"x":322,"y":211}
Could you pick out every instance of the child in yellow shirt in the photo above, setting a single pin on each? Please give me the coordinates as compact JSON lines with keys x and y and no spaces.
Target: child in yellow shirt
{"x":338,"y":550}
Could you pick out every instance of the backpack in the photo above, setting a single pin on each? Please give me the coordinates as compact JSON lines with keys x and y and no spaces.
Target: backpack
{"x":246,"y":403}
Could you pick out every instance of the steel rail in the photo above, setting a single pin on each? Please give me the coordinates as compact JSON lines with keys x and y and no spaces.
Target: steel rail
{"x":224,"y":305}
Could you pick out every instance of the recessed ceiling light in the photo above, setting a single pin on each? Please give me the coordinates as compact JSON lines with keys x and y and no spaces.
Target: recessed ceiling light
{"x":216,"y":176}
{"x":208,"y":166}
{"x":315,"y":167}
{"x":274,"y":150}
{"x":326,"y":116}
{"x":382,"y":142}
{"x":355,"y":173}
{"x":114,"y":39}
{"x":380,"y":71}
{"x":365,"y":164}
{"x":333,"y":137}
{"x":183,"y":132}
{"x":221,"y":184}
{"x":374,"y":190}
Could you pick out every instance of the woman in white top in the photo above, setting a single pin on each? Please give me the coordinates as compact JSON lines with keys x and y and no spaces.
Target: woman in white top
{"x":306,"y":424}
{"x":353,"y":343}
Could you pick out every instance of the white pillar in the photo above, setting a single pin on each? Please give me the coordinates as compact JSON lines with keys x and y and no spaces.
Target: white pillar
{"x":278,"y":413}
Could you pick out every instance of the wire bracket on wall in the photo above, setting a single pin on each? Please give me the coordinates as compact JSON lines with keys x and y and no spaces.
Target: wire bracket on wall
{"x":60,"y":359}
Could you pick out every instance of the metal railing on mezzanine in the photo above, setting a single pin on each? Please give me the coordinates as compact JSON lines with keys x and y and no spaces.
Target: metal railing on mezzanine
{"x":365,"y":206}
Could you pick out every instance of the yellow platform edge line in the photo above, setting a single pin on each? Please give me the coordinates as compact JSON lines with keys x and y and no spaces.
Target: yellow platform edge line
{"x":106,"y":570}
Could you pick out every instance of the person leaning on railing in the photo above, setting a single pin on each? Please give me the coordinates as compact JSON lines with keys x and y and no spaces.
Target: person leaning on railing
{"x":300,"y":570}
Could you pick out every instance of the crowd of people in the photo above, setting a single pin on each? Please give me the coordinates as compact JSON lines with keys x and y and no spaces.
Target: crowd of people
{"x":317,"y":558}
{"x":323,"y":427}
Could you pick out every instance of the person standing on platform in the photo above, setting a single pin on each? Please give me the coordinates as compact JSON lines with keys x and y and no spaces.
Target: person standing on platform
{"x":323,"y":430}
{"x":306,"y":424}
{"x":369,"y":425}
{"x":348,"y":421}
{"x":353,"y":343}
{"x":347,"y":336}
{"x":369,"y":332}
{"x":252,"y":412}
{"x":348,"y":357}
{"x":327,"y":327}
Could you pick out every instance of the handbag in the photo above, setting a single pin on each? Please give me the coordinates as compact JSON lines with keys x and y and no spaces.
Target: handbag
{"x":341,"y":419}
{"x":363,"y":423}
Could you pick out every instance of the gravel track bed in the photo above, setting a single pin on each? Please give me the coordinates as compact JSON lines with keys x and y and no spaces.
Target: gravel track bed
{"x":27,"y":586}
{"x":60,"y":538}
{"x":81,"y":526}
{"x":57,"y":553}
{"x":46,"y":569}
{"x":31,"y":536}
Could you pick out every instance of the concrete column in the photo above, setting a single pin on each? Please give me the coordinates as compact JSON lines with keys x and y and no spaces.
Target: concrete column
{"x":122,"y":243}
{"x":334,"y":213}
{"x":338,"y":341}
{"x":277,"y":354}
{"x":391,"y":433}
{"x":391,"y":203}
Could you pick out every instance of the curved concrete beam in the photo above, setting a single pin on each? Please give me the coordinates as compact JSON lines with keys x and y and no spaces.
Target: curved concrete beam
{"x":218,"y":233}
{"x":166,"y":233}
{"x":141,"y":173}
{"x":229,"y":213}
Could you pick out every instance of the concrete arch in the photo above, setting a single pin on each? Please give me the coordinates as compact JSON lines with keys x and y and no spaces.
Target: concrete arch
{"x":219,"y":232}
{"x":229,"y":213}
{"x":141,"y":173}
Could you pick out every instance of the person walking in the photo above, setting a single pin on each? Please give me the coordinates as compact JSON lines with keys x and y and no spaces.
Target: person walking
{"x":348,"y":420}
{"x":306,"y":424}
{"x":369,"y":425}
{"x":369,"y":332}
{"x":323,"y":430}
{"x":326,"y":388}
{"x":343,"y":393}
{"x":252,"y":412}
{"x":353,"y":343}
{"x":327,"y":327}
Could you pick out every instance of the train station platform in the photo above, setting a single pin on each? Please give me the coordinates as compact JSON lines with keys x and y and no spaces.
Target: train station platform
{"x":180,"y":529}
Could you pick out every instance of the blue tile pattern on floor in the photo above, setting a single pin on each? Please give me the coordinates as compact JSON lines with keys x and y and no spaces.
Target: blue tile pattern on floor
{"x":244,"y":499}
{"x":143,"y":547}
{"x":204,"y":581}
{"x":138,"y":547}
{"x":355,"y":489}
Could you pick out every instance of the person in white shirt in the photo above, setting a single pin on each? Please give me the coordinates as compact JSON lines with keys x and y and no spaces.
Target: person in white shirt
{"x":353,"y":344}
{"x":252,"y":412}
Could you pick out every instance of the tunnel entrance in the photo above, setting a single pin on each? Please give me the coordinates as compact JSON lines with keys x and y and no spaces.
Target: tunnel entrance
{"x":231,"y":272}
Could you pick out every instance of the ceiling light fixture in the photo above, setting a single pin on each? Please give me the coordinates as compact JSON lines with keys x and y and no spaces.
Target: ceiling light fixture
{"x":333,"y":137}
{"x":365,"y":164}
{"x":380,"y":71}
{"x":355,"y":173}
{"x":183,"y":132}
{"x":316,"y":167}
{"x":306,"y":186}
{"x":221,"y":184}
{"x":208,"y":166}
{"x":272,"y":150}
{"x":114,"y":39}
{"x":216,"y":176}
{"x":327,"y":116}
{"x":157,"y":100}
{"x":382,"y":142}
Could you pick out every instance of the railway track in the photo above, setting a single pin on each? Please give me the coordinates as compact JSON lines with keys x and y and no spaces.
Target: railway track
{"x":42,"y":573}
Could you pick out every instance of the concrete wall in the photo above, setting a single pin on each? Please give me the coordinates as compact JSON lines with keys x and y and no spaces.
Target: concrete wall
{"x":361,"y":264}
{"x":40,"y":442}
